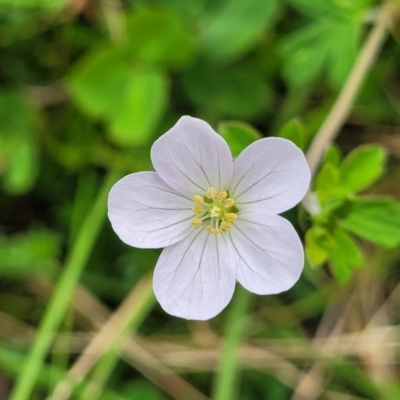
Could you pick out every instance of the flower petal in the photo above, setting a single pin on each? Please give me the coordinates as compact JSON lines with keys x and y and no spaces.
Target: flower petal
{"x":195,"y":278}
{"x":271,"y":172}
{"x":270,"y":254}
{"x":147,"y":213}
{"x":191,"y":157}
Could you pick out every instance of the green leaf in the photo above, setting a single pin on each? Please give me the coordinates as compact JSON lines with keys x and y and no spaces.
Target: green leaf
{"x":131,"y":99}
{"x":304,"y":54}
{"x":333,"y":156}
{"x":325,"y":42}
{"x":26,"y":254}
{"x":159,"y":37}
{"x":139,"y":108}
{"x":54,"y":5}
{"x":326,"y":182}
{"x":98,"y":80}
{"x":294,"y":131}
{"x":235,"y":26}
{"x":344,"y":255}
{"x":317,"y":245}
{"x":362,"y":167}
{"x":18,"y":147}
{"x":189,"y":10}
{"x":22,"y":166}
{"x":343,"y":40}
{"x":238,"y":135}
{"x":376,"y":220}
{"x":338,"y":9}
{"x":237,"y":93}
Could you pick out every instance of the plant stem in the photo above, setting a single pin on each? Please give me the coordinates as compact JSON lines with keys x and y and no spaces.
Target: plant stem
{"x":225,"y":387}
{"x":64,"y":290}
{"x":341,"y":109}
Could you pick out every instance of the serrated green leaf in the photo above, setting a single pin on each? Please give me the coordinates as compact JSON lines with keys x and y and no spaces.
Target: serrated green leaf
{"x":362,"y":167}
{"x":376,"y":220}
{"x":235,"y":26}
{"x":238,"y":135}
{"x":344,"y":255}
{"x":159,"y":37}
{"x":294,"y":131}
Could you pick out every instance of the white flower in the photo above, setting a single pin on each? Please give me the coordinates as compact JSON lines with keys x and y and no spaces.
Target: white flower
{"x":216,"y":218}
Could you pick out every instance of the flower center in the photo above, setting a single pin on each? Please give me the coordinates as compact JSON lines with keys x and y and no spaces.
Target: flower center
{"x":216,"y":209}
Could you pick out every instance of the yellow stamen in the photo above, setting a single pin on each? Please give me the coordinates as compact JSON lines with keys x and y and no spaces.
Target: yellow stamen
{"x":215,"y":231}
{"x":198,"y":210}
{"x":231,"y":217}
{"x":221,"y":196}
{"x":229,"y":202}
{"x":225,"y":225}
{"x":198,"y":199}
{"x":214,"y":208}
{"x":196,"y":222}
{"x":211,"y":193}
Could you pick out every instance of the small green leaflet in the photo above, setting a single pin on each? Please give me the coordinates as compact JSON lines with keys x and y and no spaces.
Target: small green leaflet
{"x":376,"y":220}
{"x":131,"y":99}
{"x":362,"y":167}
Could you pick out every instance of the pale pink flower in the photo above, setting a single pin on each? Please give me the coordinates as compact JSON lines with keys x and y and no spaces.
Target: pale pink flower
{"x":217,"y":218}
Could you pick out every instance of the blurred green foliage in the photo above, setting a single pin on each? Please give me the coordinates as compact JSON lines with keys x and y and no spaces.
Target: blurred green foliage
{"x":87,"y":86}
{"x":19,"y":159}
{"x":27,"y":254}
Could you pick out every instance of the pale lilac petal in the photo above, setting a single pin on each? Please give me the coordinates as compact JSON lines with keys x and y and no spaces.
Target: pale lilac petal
{"x":271,"y":172}
{"x":269,"y":252}
{"x":195,"y":278}
{"x":191,"y":157}
{"x":147,"y":213}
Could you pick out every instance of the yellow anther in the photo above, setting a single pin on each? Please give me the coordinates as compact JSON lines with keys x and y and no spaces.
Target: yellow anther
{"x":221,"y":196}
{"x":226,"y":225}
{"x":215,"y":212}
{"x":198,"y":199}
{"x":229,"y":202}
{"x":198,"y":210}
{"x":231,"y":217}
{"x":211,"y":193}
{"x":196,"y":222}
{"x":215,"y":231}
{"x":209,"y":229}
